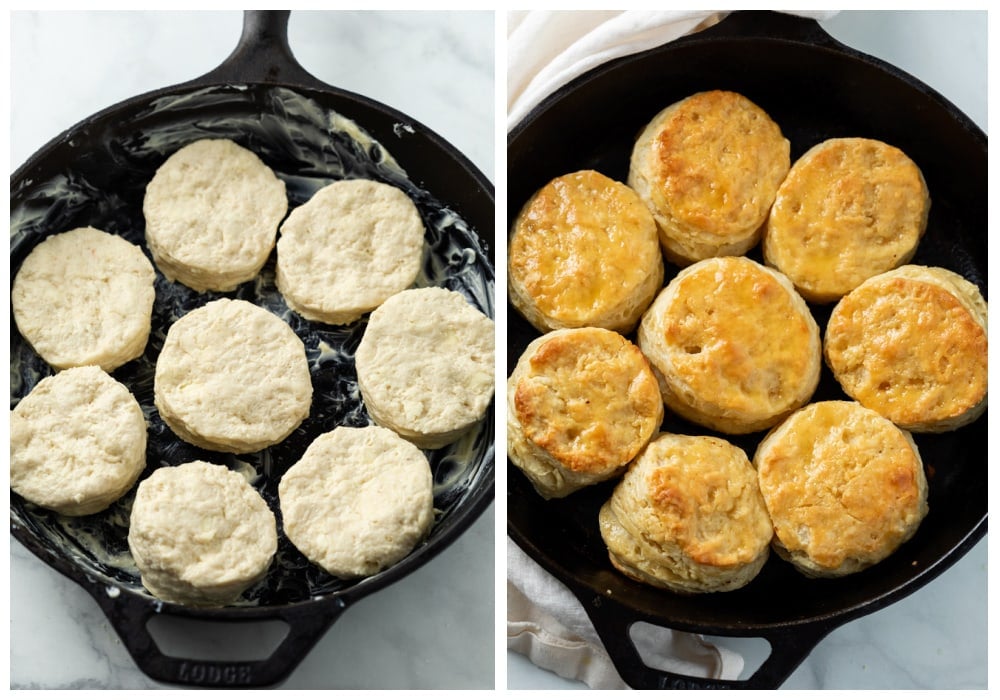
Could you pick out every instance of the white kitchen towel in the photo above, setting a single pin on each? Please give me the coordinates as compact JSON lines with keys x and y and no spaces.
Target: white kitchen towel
{"x":546,"y":49}
{"x":545,"y":622}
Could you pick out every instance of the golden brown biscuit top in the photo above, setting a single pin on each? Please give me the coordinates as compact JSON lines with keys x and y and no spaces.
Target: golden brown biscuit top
{"x":906,"y":346}
{"x":850,"y":208}
{"x":582,"y":243}
{"x":718,"y":161}
{"x":704,"y":497}
{"x":589,"y":399}
{"x":840,"y":481}
{"x":735,"y":335}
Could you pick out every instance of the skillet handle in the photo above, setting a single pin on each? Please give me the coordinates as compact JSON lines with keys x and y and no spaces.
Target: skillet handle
{"x":771,"y":24}
{"x":262,"y":55}
{"x":129,"y":615}
{"x":789,"y":648}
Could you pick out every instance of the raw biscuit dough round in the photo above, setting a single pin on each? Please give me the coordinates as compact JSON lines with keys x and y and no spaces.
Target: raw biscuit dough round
{"x":358,"y":501}
{"x":200,"y":534}
{"x":425,"y":365}
{"x":77,"y":442}
{"x":85,"y":297}
{"x":354,"y":244}
{"x":232,"y":377}
{"x":212,"y":212}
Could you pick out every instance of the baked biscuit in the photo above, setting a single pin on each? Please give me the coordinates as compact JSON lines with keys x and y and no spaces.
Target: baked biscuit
{"x":688,"y":516}
{"x":708,"y":167}
{"x":425,"y":365}
{"x":358,"y":501}
{"x":232,"y":377}
{"x":733,"y":345}
{"x":581,"y":403}
{"x":212,"y":212}
{"x":200,"y":535}
{"x":85,"y":297}
{"x":843,"y":485}
{"x":849,"y":209}
{"x":583,"y":252}
{"x":77,"y":442}
{"x":354,"y":244}
{"x":911,"y":344}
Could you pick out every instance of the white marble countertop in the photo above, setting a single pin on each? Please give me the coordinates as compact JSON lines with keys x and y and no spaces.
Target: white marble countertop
{"x":936,"y":637}
{"x":432,"y":629}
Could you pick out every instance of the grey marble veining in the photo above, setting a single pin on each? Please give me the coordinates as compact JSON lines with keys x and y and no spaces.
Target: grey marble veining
{"x":431,"y":629}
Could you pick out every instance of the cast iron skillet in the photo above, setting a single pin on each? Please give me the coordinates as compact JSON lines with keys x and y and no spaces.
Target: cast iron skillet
{"x":310,"y":134}
{"x":814,"y":88}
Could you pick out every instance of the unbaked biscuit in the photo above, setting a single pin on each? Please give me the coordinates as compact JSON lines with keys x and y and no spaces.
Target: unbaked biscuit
{"x":583,"y":252}
{"x":232,"y":377}
{"x":358,"y":501}
{"x":425,"y":365}
{"x":733,"y":345}
{"x":354,"y":244}
{"x":843,"y":485}
{"x":688,"y":516}
{"x":912,"y":344}
{"x":849,"y":209}
{"x":212,"y":212}
{"x":581,"y":403}
{"x":200,"y":535}
{"x":85,"y":297}
{"x":77,"y":442}
{"x":708,"y":167}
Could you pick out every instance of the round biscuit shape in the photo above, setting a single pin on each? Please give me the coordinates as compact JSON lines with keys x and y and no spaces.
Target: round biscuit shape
{"x":844,"y":487}
{"x":733,"y":345}
{"x":232,"y":377}
{"x":912,"y":344}
{"x":85,"y":297}
{"x":708,"y":167}
{"x":358,"y":501}
{"x":688,"y":516}
{"x":584,"y":252}
{"x":850,"y":208}
{"x":354,"y":244}
{"x":581,"y":403}
{"x":425,"y":365}
{"x":200,"y":534}
{"x":212,"y":212}
{"x":77,"y":442}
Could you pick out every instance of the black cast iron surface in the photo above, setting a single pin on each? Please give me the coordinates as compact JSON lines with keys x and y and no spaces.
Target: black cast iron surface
{"x":814,"y":88}
{"x":309,"y":134}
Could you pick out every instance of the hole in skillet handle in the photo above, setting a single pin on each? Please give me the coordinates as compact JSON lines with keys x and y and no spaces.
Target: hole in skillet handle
{"x":215,"y":640}
{"x":131,"y":617}
{"x":790,"y":645}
